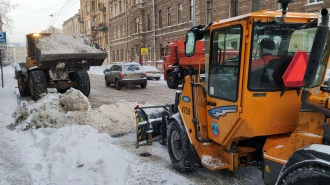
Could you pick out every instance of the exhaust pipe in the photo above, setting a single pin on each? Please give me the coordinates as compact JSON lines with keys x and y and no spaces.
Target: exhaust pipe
{"x":314,"y":63}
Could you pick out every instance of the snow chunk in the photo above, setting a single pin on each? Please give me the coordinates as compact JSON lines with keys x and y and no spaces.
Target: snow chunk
{"x":72,"y":107}
{"x":75,"y":100}
{"x":60,"y":43}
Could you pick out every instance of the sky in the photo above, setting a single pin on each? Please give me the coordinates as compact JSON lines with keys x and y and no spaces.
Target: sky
{"x":35,"y":16}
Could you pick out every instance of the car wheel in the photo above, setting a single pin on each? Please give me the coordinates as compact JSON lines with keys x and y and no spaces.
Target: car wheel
{"x":143,"y":86}
{"x":118,"y":86}
{"x":107,"y":84}
{"x":158,"y":78}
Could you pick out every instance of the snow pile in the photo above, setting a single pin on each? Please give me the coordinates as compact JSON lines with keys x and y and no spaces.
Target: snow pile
{"x":60,"y":43}
{"x":72,"y":107}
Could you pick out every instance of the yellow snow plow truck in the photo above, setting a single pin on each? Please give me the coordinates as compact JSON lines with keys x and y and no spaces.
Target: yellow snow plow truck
{"x":55,"y":70}
{"x":263,"y":102}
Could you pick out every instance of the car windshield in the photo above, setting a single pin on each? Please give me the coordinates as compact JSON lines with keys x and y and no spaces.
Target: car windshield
{"x":132,"y":68}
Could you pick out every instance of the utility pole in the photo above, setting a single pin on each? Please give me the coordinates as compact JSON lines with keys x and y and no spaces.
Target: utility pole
{"x":194,"y":13}
{"x":153,"y":9}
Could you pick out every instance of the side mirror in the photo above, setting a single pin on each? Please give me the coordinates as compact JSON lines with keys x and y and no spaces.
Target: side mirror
{"x":190,"y":44}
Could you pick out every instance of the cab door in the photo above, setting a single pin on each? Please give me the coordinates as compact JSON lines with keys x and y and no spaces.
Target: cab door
{"x":224,"y":84}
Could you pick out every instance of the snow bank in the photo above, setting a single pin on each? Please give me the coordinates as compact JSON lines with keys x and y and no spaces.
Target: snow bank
{"x":72,"y":107}
{"x":60,"y":43}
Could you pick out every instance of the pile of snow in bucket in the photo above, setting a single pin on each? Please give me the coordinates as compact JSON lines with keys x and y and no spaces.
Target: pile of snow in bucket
{"x":60,"y":43}
{"x":56,"y":110}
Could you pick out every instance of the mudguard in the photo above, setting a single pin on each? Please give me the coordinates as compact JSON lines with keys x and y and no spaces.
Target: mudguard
{"x":315,"y":154}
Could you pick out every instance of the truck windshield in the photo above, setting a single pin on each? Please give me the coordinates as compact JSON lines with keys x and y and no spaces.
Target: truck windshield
{"x":273,"y":47}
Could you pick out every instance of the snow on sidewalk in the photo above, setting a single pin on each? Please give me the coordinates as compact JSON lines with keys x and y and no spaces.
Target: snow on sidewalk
{"x":74,"y":152}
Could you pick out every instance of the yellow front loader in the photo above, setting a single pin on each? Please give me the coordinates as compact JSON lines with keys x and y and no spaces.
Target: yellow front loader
{"x":275,"y":118}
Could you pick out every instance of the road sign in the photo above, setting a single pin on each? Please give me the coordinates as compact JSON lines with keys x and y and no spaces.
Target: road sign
{"x":3,"y":45}
{"x":144,"y":52}
{"x":3,"y":37}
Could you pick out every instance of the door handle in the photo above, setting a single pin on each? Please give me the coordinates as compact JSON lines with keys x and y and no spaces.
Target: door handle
{"x":211,"y":103}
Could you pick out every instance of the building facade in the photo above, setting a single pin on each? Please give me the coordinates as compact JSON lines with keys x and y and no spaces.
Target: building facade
{"x":123,"y":27}
{"x":15,"y":53}
{"x":94,"y":21}
{"x":72,"y":25}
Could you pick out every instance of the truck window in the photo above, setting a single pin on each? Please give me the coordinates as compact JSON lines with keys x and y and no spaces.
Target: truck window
{"x":269,"y":61}
{"x":224,"y":63}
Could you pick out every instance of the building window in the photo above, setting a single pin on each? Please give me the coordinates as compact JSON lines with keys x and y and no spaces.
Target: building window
{"x":314,"y":1}
{"x":119,"y":7}
{"x":234,"y":8}
{"x":112,"y":14}
{"x":88,"y":25}
{"x":136,"y":1}
{"x":209,"y":12}
{"x":255,"y":5}
{"x":179,"y":13}
{"x":191,"y":9}
{"x":122,"y":54}
{"x":93,"y":6}
{"x":169,"y":18}
{"x":132,"y":55}
{"x":137,"y":25}
{"x":278,"y":6}
{"x":148,"y":23}
{"x":87,"y":7}
{"x":149,"y":54}
{"x":160,"y":19}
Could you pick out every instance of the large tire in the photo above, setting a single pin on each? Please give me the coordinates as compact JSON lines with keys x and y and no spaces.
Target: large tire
{"x":177,"y":144}
{"x":171,"y":81}
{"x":37,"y":84}
{"x":118,"y":85}
{"x":23,"y":86}
{"x":306,"y":175}
{"x":83,"y":82}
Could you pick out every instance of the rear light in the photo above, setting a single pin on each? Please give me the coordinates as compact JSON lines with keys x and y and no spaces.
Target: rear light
{"x":136,"y":107}
{"x":122,"y":74}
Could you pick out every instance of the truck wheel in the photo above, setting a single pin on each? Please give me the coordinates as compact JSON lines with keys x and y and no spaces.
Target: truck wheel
{"x":317,"y":175}
{"x":171,"y":81}
{"x":37,"y":84}
{"x":177,"y":144}
{"x":83,"y":82}
{"x":118,"y":86}
{"x":23,"y":86}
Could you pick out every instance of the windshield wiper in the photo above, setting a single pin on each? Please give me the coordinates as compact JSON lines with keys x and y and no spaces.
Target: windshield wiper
{"x":307,"y":25}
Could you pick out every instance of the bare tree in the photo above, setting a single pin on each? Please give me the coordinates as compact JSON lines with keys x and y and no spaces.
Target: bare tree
{"x":7,"y":6}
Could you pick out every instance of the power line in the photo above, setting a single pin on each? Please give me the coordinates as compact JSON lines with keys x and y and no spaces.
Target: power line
{"x":52,"y":20}
{"x":36,"y":11}
{"x":66,"y":10}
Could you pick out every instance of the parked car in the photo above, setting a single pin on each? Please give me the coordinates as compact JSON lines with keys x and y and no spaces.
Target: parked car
{"x":152,"y":72}
{"x":122,"y":74}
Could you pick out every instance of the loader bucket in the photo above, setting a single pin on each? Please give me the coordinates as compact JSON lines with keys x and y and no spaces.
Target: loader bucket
{"x":149,"y":123}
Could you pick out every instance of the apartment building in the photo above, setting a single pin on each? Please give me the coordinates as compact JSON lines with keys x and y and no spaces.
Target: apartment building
{"x":15,"y":53}
{"x":72,"y":25}
{"x":136,"y":24}
{"x":94,"y":21}
{"x":123,"y":27}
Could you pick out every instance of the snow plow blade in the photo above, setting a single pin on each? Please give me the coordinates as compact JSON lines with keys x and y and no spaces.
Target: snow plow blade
{"x":151,"y":123}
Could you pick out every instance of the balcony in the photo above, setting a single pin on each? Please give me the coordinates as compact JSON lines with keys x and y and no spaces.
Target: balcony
{"x":101,"y":7}
{"x":80,"y":19}
{"x":95,"y":29}
{"x":103,"y":27}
